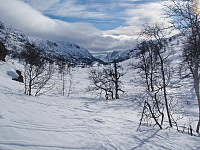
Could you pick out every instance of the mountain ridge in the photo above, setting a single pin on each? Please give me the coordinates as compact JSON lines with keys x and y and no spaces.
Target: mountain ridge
{"x":15,"y":41}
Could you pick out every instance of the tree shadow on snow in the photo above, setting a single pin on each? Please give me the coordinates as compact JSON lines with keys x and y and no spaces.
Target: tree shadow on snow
{"x":12,"y":74}
{"x":150,"y":135}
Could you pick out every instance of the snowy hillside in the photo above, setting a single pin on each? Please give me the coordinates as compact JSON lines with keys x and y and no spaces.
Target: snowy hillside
{"x":116,"y":55}
{"x":82,"y":121}
{"x":16,"y":40}
{"x":71,"y":52}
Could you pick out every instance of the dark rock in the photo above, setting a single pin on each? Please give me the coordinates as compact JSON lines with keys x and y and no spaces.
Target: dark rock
{"x":20,"y":77}
{"x":3,"y":52}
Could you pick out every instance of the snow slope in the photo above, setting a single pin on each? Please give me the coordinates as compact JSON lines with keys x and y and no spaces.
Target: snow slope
{"x":81,"y":121}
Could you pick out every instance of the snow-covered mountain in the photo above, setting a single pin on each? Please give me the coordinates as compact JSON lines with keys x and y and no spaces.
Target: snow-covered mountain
{"x":15,"y":41}
{"x":70,"y":52}
{"x":116,"y":55}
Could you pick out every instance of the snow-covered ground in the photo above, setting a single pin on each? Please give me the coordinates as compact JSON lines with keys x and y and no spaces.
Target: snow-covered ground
{"x":82,"y":120}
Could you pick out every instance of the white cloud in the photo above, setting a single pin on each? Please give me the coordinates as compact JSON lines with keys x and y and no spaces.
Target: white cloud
{"x":22,"y":16}
{"x":90,"y":9}
{"x":28,"y":16}
{"x":136,"y":17}
{"x":66,"y":8}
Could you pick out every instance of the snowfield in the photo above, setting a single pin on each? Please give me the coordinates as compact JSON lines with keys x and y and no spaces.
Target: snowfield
{"x":82,"y":120}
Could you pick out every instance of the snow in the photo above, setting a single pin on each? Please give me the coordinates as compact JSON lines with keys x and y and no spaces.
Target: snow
{"x":82,"y":120}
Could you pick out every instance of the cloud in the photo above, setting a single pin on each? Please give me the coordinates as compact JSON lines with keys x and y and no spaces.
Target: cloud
{"x":136,"y":17}
{"x":71,"y":8}
{"x":30,"y":17}
{"x":20,"y":15}
{"x":90,"y":9}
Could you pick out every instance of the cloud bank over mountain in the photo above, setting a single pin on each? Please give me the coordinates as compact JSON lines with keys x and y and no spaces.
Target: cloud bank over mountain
{"x":97,"y":26}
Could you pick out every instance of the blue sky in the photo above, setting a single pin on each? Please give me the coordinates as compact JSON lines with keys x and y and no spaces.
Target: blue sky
{"x":103,"y":14}
{"x":98,"y":25}
{"x":107,"y":14}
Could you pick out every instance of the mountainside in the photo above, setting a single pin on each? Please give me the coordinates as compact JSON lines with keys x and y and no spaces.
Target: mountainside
{"x":15,"y":41}
{"x":123,"y":55}
{"x":70,"y":52}
{"x":117,"y":56}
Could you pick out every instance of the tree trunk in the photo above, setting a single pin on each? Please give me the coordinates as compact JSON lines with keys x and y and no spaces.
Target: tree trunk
{"x":198,"y":98}
{"x":116,"y":81}
{"x":30,"y":87}
{"x":198,"y":124}
{"x":165,"y":91}
{"x":30,"y":81}
{"x":196,"y":86}
{"x":154,"y":117}
{"x":63,"y":84}
{"x":196,"y":66}
{"x":25,"y":79}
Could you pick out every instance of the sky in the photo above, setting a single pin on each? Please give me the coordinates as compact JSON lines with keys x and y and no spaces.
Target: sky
{"x":97,"y":25}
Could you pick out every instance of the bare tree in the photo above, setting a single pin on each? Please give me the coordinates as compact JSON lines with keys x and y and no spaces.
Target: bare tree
{"x":155,"y":67}
{"x":38,"y":70}
{"x":106,"y":81}
{"x":100,"y":82}
{"x":116,"y":75}
{"x":66,"y":77}
{"x":71,"y":84}
{"x":62,"y":72}
{"x":185,"y":18}
{"x":148,"y":66}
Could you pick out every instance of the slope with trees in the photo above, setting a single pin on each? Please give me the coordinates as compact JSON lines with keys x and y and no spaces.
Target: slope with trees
{"x":38,"y":70}
{"x":185,"y":18}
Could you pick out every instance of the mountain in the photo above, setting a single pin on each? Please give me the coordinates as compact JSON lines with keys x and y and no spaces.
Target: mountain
{"x":118,"y":56}
{"x":123,"y":55}
{"x":15,"y":41}
{"x":70,"y":52}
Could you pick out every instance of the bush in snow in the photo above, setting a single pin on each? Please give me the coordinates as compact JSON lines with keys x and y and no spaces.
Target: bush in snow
{"x":106,"y":81}
{"x":38,"y":70}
